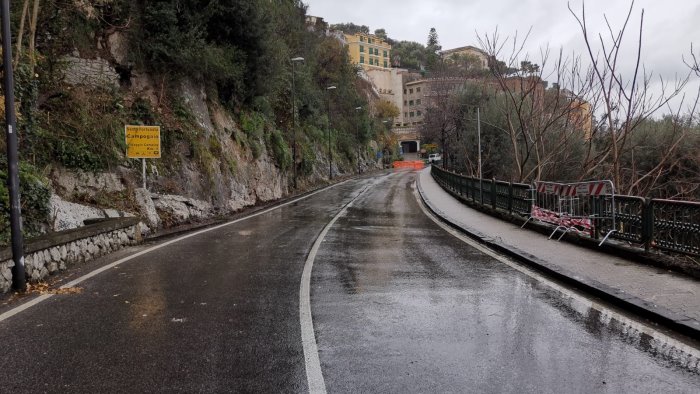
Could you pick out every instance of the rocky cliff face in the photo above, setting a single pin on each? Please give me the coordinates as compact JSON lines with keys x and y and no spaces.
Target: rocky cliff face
{"x":216,"y":158}
{"x":182,"y":187}
{"x":180,"y":193}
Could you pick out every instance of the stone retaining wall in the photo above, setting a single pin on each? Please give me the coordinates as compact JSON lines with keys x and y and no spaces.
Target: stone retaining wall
{"x":51,"y":253}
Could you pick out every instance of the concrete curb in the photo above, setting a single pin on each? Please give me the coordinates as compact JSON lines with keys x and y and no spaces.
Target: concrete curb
{"x":657,"y":314}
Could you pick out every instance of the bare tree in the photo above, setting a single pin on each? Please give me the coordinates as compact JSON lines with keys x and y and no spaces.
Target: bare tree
{"x":32,"y":36}
{"x":542,"y":124}
{"x":626,"y":102}
{"x":20,"y":32}
{"x":441,"y":107}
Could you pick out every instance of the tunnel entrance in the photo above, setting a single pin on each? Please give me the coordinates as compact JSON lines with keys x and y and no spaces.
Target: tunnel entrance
{"x":409,"y":146}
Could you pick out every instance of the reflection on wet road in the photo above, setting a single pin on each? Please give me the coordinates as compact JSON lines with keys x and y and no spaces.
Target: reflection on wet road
{"x":401,"y":306}
{"x":398,"y":305}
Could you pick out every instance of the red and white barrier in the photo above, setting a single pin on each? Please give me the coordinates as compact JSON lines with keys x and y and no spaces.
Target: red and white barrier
{"x":569,"y":206}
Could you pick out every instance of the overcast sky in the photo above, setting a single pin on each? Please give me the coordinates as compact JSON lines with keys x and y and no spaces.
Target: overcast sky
{"x":669,"y":25}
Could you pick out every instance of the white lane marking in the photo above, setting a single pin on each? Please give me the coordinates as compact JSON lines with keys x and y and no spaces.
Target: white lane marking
{"x":679,"y":350}
{"x":314,"y":375}
{"x":98,"y":271}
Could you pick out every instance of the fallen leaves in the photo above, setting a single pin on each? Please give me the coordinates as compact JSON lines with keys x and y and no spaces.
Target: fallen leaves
{"x":45,"y":288}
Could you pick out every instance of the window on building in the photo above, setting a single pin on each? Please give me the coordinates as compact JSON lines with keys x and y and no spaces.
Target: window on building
{"x":410,"y":102}
{"x":410,"y":91}
{"x":362,"y":48}
{"x":405,"y":102}
{"x":369,"y":40}
{"x":418,"y":91}
{"x":411,"y":114}
{"x":418,"y":113}
{"x":362,"y":39}
{"x":386,"y":64}
{"x":405,"y":114}
{"x":404,"y":91}
{"x":418,"y":102}
{"x":362,"y":59}
{"x":385,"y":55}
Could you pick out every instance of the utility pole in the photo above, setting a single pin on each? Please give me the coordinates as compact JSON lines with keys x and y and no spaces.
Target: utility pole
{"x":294,"y":122}
{"x":357,"y":137}
{"x":330,"y":152}
{"x":481,"y":177}
{"x":18,"y":276}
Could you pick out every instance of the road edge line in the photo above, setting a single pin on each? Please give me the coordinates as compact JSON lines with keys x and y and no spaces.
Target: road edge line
{"x":21,"y":308}
{"x":312,"y":361}
{"x":656,"y":314}
{"x":583,"y":298}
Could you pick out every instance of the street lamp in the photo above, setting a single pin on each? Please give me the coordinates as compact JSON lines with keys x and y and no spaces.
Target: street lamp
{"x":294,"y":60}
{"x":357,"y":137}
{"x":478,"y":131}
{"x":384,"y":158}
{"x":18,"y":272}
{"x":330,"y":153}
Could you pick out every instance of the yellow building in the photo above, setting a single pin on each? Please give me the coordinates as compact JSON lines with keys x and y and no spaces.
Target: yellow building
{"x":368,"y":50}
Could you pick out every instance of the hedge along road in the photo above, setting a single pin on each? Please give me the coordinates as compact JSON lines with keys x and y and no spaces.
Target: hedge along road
{"x":398,"y":305}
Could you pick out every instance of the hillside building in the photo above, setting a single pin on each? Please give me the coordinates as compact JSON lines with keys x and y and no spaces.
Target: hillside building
{"x":369,"y":51}
{"x":466,"y":52}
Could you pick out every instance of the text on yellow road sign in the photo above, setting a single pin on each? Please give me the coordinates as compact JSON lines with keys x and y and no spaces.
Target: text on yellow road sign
{"x":142,"y":142}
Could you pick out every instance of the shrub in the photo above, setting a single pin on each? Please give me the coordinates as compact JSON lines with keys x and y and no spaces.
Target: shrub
{"x":34,"y":197}
{"x":280,"y":149}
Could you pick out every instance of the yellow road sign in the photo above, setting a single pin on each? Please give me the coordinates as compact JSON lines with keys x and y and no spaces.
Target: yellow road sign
{"x":142,"y":142}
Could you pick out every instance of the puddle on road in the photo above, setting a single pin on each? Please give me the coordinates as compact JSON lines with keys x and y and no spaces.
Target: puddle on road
{"x":661,"y":343}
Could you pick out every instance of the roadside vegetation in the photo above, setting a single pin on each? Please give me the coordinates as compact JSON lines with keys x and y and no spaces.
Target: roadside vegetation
{"x":569,"y":118}
{"x":239,"y":53}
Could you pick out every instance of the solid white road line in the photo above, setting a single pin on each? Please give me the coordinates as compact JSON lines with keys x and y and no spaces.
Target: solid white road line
{"x":89,"y":275}
{"x":314,"y":375}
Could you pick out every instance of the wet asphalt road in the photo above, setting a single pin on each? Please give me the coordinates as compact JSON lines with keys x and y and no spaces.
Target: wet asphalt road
{"x":398,"y":305}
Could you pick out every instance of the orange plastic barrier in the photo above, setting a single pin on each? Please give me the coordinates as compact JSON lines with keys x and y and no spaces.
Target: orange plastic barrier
{"x":416,"y":165}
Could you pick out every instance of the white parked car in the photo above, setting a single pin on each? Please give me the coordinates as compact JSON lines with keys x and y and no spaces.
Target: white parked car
{"x":433,"y":157}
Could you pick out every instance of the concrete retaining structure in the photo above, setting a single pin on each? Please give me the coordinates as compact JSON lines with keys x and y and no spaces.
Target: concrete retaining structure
{"x":54,"y":252}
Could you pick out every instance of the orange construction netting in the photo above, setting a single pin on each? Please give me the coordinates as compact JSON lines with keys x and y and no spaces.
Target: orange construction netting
{"x":416,"y":165}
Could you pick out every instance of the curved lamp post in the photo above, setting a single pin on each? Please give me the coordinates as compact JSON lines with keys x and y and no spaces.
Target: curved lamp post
{"x":294,"y":120}
{"x":330,"y":153}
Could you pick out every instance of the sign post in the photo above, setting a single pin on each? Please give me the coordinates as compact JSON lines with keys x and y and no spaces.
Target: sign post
{"x":142,"y":142}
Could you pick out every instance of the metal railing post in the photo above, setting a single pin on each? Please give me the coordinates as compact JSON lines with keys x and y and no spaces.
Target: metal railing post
{"x":494,"y":195}
{"x":510,"y":198}
{"x":647,"y":223}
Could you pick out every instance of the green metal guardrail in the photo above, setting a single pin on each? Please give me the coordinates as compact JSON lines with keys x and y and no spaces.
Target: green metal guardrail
{"x":668,"y":225}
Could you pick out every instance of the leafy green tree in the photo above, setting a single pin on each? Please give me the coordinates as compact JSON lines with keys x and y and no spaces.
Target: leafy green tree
{"x":409,"y":54}
{"x":381,"y":33}
{"x":351,"y":28}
